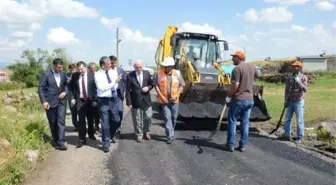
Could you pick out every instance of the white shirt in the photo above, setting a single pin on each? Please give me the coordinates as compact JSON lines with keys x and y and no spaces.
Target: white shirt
{"x":114,"y":76}
{"x":140,"y":77}
{"x":80,"y":85}
{"x":57,"y":77}
{"x":103,"y":87}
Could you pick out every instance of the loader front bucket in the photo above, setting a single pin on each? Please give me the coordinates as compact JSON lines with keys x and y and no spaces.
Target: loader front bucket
{"x":206,"y":100}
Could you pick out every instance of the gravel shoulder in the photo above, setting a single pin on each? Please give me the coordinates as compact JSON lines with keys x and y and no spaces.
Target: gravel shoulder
{"x":84,"y":166}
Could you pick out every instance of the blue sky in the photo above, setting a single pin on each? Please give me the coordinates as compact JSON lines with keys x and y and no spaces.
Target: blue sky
{"x":86,"y":28}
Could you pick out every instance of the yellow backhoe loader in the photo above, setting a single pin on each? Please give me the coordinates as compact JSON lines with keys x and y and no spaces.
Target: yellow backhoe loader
{"x":196,"y":56}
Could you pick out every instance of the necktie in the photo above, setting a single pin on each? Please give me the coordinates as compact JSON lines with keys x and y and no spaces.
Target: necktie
{"x":109,"y":81}
{"x":140,"y":80}
{"x":84,"y":88}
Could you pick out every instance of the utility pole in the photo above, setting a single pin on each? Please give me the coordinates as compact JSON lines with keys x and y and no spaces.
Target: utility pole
{"x":117,"y":43}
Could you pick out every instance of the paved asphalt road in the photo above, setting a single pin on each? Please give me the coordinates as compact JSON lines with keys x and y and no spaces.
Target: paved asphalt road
{"x":191,"y":160}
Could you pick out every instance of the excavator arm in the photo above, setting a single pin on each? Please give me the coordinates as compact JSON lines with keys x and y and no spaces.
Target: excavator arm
{"x":223,"y":78}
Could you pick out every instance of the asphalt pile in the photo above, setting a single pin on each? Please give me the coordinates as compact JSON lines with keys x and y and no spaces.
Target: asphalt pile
{"x":211,"y":110}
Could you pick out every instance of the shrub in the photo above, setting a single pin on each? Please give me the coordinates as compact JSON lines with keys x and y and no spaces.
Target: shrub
{"x":5,"y":86}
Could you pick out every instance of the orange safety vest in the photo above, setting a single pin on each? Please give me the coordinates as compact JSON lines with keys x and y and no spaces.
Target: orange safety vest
{"x":162,"y":82}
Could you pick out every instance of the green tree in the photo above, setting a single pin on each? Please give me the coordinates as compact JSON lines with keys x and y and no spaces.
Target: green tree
{"x":32,"y":64}
{"x":63,"y":55}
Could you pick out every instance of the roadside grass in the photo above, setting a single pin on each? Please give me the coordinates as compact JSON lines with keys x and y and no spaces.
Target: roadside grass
{"x":21,"y":131}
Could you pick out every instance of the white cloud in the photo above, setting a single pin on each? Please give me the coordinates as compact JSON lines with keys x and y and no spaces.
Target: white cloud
{"x":198,"y":28}
{"x":70,"y":9}
{"x":22,"y":34}
{"x":270,"y":15}
{"x":111,"y":23}
{"x":21,"y":19}
{"x":61,"y":36}
{"x":293,"y":28}
{"x":334,"y":25}
{"x":295,"y":41}
{"x":325,"y":6}
{"x":15,"y":12}
{"x":35,"y":26}
{"x":288,"y":2}
{"x":134,"y":44}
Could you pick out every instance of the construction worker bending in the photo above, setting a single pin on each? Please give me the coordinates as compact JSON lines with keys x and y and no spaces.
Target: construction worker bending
{"x":296,"y":86}
{"x":169,"y":85}
{"x":240,"y":99}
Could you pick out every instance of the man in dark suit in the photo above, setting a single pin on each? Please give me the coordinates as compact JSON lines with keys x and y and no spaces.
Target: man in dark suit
{"x":53,"y":89}
{"x":139,"y":84}
{"x":84,"y":93}
{"x":96,"y":117}
{"x":73,"y":109}
{"x":121,"y":93}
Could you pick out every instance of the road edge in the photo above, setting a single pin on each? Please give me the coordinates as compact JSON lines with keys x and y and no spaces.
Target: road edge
{"x":316,"y":153}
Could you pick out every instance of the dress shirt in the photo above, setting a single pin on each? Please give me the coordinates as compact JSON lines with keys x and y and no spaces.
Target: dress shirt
{"x":57,"y":77}
{"x":140,"y":77}
{"x":103,"y":87}
{"x":80,"y":85}
{"x":114,"y":75}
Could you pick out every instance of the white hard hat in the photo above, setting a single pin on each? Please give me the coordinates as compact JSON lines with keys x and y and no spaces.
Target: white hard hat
{"x":169,"y":61}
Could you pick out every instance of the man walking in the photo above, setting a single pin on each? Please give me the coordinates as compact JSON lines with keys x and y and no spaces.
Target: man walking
{"x":73,"y":109}
{"x":96,"y":116}
{"x":53,"y":89}
{"x":240,"y":99}
{"x":296,"y":86}
{"x":169,"y":85}
{"x":106,"y":82}
{"x":139,"y":84}
{"x":121,"y":87}
{"x":84,"y":93}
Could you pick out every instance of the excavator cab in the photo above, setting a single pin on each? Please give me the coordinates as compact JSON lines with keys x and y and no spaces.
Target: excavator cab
{"x":197,"y":56}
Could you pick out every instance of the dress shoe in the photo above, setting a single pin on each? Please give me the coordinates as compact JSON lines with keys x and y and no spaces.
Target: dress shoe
{"x":92,"y":137}
{"x":139,"y":139}
{"x":106,"y":150}
{"x":81,"y":143}
{"x":62,"y":147}
{"x":113,"y":140}
{"x":147,"y":136}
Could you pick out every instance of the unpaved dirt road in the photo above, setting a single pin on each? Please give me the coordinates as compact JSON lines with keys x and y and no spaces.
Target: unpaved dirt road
{"x":189,"y":160}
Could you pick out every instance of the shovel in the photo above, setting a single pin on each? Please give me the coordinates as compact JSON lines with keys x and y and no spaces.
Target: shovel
{"x":218,"y":124}
{"x":279,"y":122}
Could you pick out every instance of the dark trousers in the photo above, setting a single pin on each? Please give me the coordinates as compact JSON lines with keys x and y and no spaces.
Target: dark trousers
{"x":74,"y":114}
{"x":109,"y":114}
{"x":85,"y":110}
{"x":56,"y":119}
{"x":96,"y":116}
{"x":120,"y":113}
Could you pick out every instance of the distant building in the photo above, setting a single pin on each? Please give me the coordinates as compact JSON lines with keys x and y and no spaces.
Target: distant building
{"x":313,"y":63}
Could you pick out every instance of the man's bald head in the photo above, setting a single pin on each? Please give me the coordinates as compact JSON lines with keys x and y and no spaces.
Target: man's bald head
{"x":138,"y":65}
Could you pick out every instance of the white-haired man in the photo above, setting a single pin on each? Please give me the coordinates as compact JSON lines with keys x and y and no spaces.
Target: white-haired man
{"x":138,"y":85}
{"x":169,"y":85}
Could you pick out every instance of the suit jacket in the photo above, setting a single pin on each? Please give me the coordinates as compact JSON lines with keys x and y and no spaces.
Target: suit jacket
{"x":91,"y":86}
{"x":49,"y":91}
{"x":68,"y":80}
{"x":122,"y":83}
{"x":134,"y":95}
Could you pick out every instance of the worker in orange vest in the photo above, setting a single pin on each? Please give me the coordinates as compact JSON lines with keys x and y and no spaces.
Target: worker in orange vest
{"x":169,"y":85}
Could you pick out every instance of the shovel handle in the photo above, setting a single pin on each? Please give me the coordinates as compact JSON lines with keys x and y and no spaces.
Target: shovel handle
{"x":218,"y":124}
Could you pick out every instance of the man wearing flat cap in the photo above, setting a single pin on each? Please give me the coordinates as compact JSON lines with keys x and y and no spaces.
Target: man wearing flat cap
{"x":296,"y":86}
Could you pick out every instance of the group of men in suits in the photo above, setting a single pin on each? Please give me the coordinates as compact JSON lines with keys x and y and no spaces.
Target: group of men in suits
{"x":92,"y":95}
{"x":99,"y":95}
